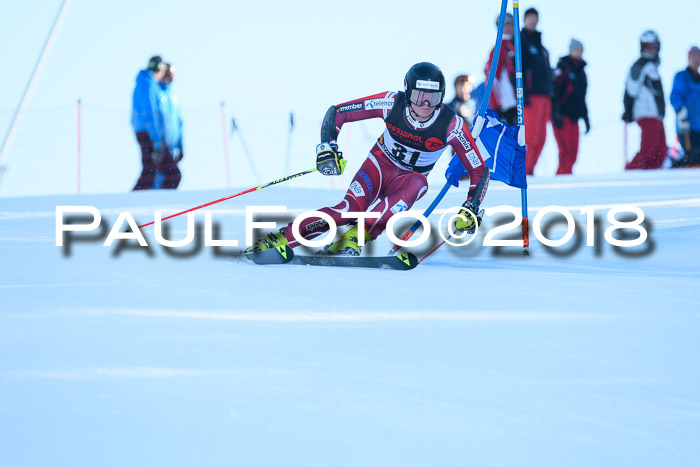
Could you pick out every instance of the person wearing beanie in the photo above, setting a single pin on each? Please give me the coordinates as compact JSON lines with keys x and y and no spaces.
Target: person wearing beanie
{"x":685,"y":99}
{"x":147,"y":120}
{"x":645,"y":104}
{"x":569,"y":105}
{"x":538,"y":89}
{"x":502,"y":98}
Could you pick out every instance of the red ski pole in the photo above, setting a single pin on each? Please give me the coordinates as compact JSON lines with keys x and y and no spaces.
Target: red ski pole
{"x":233,"y":196}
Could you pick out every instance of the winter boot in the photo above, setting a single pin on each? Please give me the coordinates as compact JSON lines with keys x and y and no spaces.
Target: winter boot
{"x":273,"y":240}
{"x":347,"y":245}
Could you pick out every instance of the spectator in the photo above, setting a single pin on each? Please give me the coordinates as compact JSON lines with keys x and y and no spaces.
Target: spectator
{"x":644,"y":103}
{"x":502,"y":98}
{"x":685,"y":99}
{"x":147,"y":120}
{"x":462,"y":104}
{"x":537,"y":86}
{"x":172,"y":131}
{"x":569,"y":105}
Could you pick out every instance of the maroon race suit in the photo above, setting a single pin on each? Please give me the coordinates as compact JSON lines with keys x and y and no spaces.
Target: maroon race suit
{"x":393,"y":177}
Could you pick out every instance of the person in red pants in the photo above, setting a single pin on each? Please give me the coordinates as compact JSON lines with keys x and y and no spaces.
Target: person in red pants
{"x":418,"y":129}
{"x":570,"y":84}
{"x":645,"y":103}
{"x":537,"y":87}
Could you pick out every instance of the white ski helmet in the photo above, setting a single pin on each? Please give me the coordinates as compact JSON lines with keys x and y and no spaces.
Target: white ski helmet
{"x":649,"y":37}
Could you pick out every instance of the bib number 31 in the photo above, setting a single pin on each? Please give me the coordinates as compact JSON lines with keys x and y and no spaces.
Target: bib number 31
{"x":401,"y":153}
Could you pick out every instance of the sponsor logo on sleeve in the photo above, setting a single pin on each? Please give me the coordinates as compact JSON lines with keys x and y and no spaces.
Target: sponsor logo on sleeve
{"x":379,"y":104}
{"x":457,"y":133}
{"x":432,"y":85}
{"x":471,"y":154}
{"x":356,"y":189}
{"x":350,"y":107}
{"x":473,"y":159}
{"x":366,"y":178}
{"x":399,"y":206}
{"x":316,"y":224}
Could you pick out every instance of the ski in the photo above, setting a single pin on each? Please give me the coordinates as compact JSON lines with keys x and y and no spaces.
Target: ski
{"x":285,"y":255}
{"x":402,"y":262}
{"x":278,"y":255}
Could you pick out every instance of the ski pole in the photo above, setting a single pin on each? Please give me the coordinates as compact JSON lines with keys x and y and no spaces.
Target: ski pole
{"x":260,"y":187}
{"x":519,"y":93}
{"x":478,"y":124}
{"x":432,"y":251}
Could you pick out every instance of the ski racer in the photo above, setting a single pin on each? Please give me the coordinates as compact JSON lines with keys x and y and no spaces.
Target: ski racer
{"x":393,"y":177}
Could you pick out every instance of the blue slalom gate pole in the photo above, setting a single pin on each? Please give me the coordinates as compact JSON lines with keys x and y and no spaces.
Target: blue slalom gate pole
{"x":478,"y":124}
{"x":521,"y":117}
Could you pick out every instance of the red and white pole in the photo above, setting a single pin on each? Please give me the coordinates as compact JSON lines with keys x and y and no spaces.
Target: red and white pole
{"x":225,"y":136}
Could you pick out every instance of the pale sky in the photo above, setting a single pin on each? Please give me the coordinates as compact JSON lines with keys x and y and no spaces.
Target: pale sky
{"x":268,"y":58}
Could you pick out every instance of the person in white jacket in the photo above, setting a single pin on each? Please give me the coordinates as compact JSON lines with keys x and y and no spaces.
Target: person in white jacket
{"x":645,"y":104}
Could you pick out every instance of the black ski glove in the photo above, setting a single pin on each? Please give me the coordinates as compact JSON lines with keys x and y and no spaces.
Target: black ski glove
{"x":587,"y":123}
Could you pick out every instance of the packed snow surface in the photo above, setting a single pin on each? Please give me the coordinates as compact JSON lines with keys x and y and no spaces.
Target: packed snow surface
{"x":576,"y":355}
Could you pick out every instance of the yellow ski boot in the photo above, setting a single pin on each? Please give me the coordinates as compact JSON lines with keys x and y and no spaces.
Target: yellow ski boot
{"x":347,"y":245}
{"x":273,"y":240}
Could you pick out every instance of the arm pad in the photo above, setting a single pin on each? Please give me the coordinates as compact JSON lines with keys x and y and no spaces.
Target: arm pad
{"x":328,"y":130}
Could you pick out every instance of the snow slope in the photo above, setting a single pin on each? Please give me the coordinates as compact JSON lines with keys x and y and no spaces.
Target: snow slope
{"x":573,"y":356}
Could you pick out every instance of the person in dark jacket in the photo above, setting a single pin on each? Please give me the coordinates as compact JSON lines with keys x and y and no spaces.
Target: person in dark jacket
{"x":645,"y":104}
{"x":685,"y":99}
{"x":461,"y":104}
{"x":569,"y":105}
{"x":537,"y":88}
{"x":147,"y":120}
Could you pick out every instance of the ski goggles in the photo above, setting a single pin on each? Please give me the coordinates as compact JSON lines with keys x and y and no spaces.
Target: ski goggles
{"x":433,"y":98}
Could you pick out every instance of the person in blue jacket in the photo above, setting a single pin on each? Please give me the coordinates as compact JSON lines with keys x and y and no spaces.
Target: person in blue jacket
{"x":685,"y":99}
{"x":168,"y":174}
{"x":147,"y":120}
